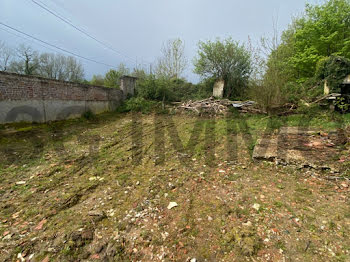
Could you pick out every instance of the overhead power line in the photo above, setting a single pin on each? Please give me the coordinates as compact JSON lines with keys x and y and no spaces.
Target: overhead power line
{"x":26,"y":38}
{"x":65,"y":20}
{"x":57,"y":47}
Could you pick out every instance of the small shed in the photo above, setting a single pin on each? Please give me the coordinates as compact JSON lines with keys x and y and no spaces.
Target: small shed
{"x":127,"y":85}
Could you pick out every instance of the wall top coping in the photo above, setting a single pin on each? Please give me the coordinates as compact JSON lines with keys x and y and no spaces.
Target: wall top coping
{"x":128,"y":77}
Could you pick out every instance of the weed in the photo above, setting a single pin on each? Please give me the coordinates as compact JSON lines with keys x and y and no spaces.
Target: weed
{"x":280,"y":245}
{"x":138,"y":104}
{"x":278,"y":204}
{"x":89,"y":115}
{"x":332,"y":225}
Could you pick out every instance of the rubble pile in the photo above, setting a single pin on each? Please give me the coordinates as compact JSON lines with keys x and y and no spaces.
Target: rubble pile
{"x":213,"y":106}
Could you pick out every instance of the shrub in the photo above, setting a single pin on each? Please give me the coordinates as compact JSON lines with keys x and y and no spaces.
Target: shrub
{"x":170,"y":90}
{"x":152,"y":88}
{"x":89,"y":115}
{"x":138,"y":104}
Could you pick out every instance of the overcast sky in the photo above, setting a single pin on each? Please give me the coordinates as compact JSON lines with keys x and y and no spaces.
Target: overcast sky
{"x":137,"y":28}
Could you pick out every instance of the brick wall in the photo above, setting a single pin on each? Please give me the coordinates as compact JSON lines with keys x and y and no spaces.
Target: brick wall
{"x":20,"y":90}
{"x":21,"y":87}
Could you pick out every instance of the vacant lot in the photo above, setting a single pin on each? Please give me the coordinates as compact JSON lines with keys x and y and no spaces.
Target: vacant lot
{"x":100,"y":190}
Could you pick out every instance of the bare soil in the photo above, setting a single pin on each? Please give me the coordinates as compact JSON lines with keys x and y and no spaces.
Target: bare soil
{"x":99,"y":191}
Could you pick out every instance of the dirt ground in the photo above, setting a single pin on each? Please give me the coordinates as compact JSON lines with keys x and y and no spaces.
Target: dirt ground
{"x":129,"y":187}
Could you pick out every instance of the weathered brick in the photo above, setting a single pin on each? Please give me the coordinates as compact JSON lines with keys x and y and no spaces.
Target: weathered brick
{"x":20,"y":87}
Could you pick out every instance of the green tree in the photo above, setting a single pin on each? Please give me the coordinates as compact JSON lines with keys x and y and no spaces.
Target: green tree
{"x":333,"y":69}
{"x":139,"y":73}
{"x":97,"y":80}
{"x":323,"y":31}
{"x":123,"y":69}
{"x":227,"y":60}
{"x":112,"y":79}
{"x":153,"y":88}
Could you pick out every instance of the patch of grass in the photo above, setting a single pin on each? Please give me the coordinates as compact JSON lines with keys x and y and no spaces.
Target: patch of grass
{"x":303,"y":190}
{"x":123,"y":178}
{"x":313,"y":228}
{"x":24,"y":129}
{"x":278,"y":204}
{"x":332,"y":225}
{"x":280,"y":245}
{"x":245,"y":242}
{"x":233,"y":177}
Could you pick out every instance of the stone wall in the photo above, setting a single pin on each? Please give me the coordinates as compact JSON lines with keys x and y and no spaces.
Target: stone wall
{"x":36,"y":99}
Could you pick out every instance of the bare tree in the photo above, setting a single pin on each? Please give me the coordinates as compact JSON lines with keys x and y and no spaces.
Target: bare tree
{"x":48,"y":65}
{"x":74,"y":70}
{"x":6,"y":54}
{"x":28,"y":61}
{"x":53,"y":66}
{"x":173,"y":61}
{"x":266,"y":88}
{"x":56,"y":66}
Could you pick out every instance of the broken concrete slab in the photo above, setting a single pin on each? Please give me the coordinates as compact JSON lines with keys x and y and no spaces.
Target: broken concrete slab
{"x":301,"y":146}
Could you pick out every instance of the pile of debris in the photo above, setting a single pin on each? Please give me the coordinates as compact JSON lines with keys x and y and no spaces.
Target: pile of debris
{"x":213,"y":106}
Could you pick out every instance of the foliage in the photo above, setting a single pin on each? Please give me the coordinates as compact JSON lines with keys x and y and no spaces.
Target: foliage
{"x":323,"y":31}
{"x":267,"y":82}
{"x":89,"y":115}
{"x":184,"y":91}
{"x":153,"y":88}
{"x":97,"y":80}
{"x":333,"y":69}
{"x":123,"y":69}
{"x":139,"y":73}
{"x":173,"y":61}
{"x":227,"y":60}
{"x":137,"y":104}
{"x":169,"y":90}
{"x":342,"y":105}
{"x":203,"y":89}
{"x":266,"y":97}
{"x":112,"y":79}
{"x":299,"y":62}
